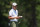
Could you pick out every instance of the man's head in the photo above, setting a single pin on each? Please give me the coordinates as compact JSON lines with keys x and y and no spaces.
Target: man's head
{"x":14,"y":6}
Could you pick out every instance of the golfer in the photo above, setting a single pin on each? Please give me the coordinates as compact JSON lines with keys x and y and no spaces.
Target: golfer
{"x":13,"y":15}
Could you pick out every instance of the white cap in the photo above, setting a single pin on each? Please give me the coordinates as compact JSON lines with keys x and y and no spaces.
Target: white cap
{"x":14,"y":4}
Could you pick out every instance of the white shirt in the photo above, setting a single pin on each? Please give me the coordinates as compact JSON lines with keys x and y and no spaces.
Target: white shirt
{"x":13,"y":14}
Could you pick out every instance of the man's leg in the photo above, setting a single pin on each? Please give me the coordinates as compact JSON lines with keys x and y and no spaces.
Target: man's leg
{"x":13,"y":24}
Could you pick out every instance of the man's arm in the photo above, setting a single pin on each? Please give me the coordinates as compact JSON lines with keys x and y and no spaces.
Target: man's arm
{"x":13,"y":17}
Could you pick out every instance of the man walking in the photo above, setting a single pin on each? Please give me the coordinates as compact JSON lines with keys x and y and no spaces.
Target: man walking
{"x":13,"y":16}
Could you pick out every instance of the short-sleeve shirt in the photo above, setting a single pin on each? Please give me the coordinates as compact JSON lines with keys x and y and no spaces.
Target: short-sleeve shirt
{"x":13,"y":13}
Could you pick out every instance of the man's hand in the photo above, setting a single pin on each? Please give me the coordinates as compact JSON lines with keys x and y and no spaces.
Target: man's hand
{"x":20,"y":16}
{"x":17,"y":17}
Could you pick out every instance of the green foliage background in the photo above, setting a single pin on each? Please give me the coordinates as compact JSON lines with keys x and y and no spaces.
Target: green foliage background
{"x":24,"y":7}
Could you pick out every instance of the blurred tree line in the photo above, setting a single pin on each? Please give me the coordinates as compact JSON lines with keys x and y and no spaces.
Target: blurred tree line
{"x":29,"y":9}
